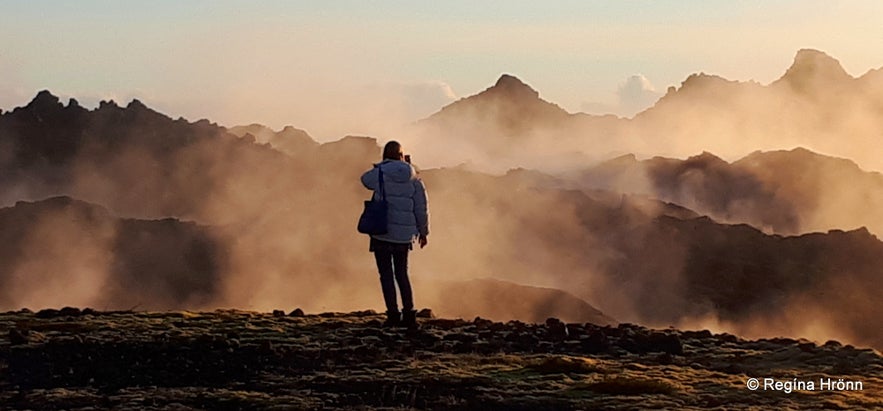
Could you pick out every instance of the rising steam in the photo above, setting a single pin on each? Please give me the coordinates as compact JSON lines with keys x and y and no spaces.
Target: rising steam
{"x":269,"y":217}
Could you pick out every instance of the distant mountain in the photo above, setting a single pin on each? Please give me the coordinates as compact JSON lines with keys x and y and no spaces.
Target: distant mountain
{"x":510,"y":106}
{"x":814,"y":78}
{"x":138,"y":162}
{"x":703,"y":183}
{"x":290,"y":140}
{"x":509,"y":125}
{"x":815,"y":73}
{"x":784,"y":192}
{"x":130,"y":159}
{"x":47,"y":133}
{"x":815,"y":104}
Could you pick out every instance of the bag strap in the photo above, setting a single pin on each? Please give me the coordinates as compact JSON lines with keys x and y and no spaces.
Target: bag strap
{"x":380,"y":178}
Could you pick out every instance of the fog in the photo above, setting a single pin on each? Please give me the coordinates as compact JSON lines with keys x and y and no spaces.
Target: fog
{"x":63,"y":257}
{"x":198,"y":218}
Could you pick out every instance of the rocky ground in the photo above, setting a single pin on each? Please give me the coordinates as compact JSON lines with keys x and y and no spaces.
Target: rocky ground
{"x":230,"y":360}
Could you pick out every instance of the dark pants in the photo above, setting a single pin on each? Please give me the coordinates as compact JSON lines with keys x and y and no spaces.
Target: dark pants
{"x":392,"y":263}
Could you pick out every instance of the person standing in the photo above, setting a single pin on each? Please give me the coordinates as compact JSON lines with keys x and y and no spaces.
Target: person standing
{"x":407,"y":221}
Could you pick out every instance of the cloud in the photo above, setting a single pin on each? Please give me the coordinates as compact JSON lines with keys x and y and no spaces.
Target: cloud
{"x":634,"y":94}
{"x":413,"y":101}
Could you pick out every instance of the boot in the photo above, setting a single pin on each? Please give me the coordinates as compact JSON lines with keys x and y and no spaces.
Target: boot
{"x":393,"y":319}
{"x":409,"y":319}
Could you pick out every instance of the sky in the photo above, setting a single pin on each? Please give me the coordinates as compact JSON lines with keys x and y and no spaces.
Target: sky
{"x":353,"y":67}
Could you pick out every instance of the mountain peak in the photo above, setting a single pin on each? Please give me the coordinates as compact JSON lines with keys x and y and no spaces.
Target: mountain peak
{"x":107,"y":104}
{"x":508,"y":80}
{"x":512,"y":86}
{"x":509,"y":106}
{"x":809,"y":60}
{"x":136,"y":104}
{"x":44,"y":99}
{"x":813,"y":70}
{"x":812,"y":55}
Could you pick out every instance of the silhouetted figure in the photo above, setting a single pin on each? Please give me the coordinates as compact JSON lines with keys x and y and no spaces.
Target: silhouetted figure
{"x":408,"y":219}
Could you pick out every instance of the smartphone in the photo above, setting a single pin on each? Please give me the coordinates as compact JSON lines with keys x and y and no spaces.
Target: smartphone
{"x":408,"y":158}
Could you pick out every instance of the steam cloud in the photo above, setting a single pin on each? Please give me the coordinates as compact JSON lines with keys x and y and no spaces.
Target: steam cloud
{"x":273,"y":213}
{"x":637,"y":93}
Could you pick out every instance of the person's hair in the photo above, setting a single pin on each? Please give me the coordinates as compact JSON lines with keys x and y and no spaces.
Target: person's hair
{"x":393,"y":151}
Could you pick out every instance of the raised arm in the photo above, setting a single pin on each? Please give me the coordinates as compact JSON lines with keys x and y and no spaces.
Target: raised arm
{"x":421,"y":208}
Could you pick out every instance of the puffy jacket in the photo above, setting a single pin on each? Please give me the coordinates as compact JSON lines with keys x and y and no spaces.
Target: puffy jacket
{"x":408,"y":214}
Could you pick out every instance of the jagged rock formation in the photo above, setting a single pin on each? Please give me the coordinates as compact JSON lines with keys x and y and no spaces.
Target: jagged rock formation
{"x":509,"y":125}
{"x":784,"y":192}
{"x":133,"y":160}
{"x":509,"y":105}
{"x":814,"y":104}
{"x":815,"y":74}
{"x":67,"y":250}
{"x":289,"y":140}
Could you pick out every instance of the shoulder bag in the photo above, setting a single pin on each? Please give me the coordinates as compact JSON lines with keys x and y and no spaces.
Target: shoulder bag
{"x":373,"y":219}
